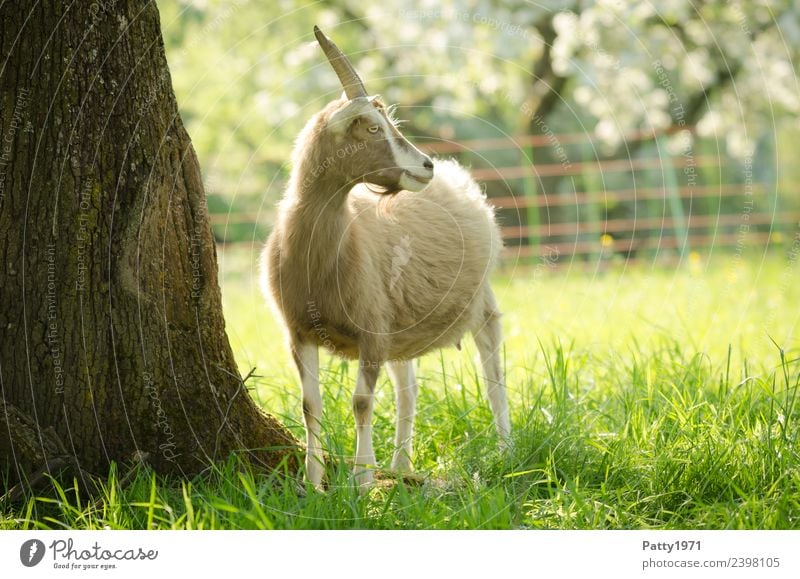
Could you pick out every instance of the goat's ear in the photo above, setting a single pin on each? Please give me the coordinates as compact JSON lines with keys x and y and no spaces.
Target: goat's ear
{"x":341,"y":120}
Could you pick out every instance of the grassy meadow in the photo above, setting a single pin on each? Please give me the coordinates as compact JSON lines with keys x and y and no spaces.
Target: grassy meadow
{"x":640,"y":398}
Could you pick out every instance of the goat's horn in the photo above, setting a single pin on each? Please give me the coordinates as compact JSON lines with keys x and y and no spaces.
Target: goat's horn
{"x":353,"y":86}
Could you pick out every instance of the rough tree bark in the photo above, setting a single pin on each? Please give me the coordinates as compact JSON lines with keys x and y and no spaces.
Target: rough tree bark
{"x":112,"y":338}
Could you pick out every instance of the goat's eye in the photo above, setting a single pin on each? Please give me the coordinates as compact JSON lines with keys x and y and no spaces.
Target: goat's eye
{"x":374,"y":129}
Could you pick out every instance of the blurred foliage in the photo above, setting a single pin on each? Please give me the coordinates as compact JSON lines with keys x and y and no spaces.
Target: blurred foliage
{"x":248,"y":75}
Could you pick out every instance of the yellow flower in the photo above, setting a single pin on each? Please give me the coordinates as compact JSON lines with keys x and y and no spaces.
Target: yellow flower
{"x":606,"y":240}
{"x":776,"y":237}
{"x":695,"y":262}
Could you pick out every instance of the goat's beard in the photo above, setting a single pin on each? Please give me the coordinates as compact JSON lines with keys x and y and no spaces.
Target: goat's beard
{"x":386,"y":197}
{"x":383,"y":191}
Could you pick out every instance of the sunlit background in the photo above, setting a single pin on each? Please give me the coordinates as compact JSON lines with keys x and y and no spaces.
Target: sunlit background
{"x":642,"y":156}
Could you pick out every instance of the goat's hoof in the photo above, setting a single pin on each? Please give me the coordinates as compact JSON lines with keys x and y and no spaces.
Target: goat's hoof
{"x":315,"y":481}
{"x":402,"y":466}
{"x":316,"y":487}
{"x":364,"y":479}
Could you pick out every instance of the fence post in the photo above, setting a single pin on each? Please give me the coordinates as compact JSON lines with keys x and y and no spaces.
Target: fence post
{"x":711,"y":178}
{"x":679,"y":223}
{"x":532,"y":201}
{"x":767,"y":160}
{"x":592,"y":186}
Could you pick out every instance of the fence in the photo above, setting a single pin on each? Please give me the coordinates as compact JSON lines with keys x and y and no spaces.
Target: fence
{"x":665,"y":195}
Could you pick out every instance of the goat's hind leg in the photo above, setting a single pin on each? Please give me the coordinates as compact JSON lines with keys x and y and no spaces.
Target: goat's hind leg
{"x":306,"y":356}
{"x":405,"y":391}
{"x":489,"y":340}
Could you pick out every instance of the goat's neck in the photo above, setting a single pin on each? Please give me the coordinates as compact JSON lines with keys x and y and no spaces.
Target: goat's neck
{"x":319,"y":219}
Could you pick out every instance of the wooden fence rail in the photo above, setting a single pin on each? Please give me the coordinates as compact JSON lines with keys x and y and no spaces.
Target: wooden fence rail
{"x":651,"y":203}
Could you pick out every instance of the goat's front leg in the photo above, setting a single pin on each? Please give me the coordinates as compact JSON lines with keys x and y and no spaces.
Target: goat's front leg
{"x":363,"y":397}
{"x":306,"y":356}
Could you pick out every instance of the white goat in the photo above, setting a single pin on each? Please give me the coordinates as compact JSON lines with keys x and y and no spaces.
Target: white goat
{"x":383,"y":282}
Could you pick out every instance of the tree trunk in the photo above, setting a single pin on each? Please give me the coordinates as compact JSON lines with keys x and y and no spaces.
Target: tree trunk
{"x":112,"y":337}
{"x":544,"y":101}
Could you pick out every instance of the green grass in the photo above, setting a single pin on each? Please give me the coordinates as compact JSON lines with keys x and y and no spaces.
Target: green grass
{"x":639,"y":398}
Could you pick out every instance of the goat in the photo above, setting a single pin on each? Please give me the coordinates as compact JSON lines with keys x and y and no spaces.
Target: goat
{"x":380,"y":275}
